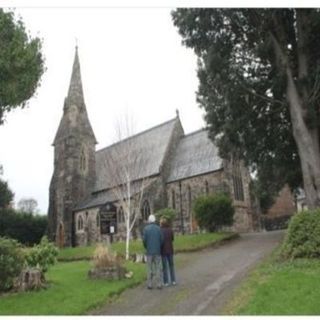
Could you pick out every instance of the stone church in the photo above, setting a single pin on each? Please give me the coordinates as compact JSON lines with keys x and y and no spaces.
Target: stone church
{"x":182,"y":167}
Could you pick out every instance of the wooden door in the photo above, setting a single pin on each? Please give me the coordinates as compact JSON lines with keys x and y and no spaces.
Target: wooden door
{"x":60,"y":238}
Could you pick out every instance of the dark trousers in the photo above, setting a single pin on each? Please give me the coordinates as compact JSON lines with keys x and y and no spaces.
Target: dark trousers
{"x":168,"y":268}
{"x":154,"y":270}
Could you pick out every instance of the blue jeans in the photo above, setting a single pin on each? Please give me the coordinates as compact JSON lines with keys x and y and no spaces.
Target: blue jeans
{"x":168,"y":268}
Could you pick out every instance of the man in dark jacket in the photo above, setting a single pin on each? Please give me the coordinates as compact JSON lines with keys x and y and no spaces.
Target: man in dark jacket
{"x":152,"y":241}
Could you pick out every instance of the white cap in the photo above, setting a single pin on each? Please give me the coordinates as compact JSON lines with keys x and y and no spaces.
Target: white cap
{"x":151,"y":218}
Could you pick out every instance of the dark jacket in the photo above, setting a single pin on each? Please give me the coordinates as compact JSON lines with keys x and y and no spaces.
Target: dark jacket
{"x":152,"y":239}
{"x":168,"y":237}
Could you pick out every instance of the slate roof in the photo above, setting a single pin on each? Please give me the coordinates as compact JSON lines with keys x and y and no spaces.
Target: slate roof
{"x":105,"y":196}
{"x":151,"y":145}
{"x":96,"y":200}
{"x":195,"y":155}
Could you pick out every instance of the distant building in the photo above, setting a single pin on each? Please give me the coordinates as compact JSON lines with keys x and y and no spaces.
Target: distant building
{"x":284,"y":204}
{"x":280,"y":213}
{"x":181,"y":166}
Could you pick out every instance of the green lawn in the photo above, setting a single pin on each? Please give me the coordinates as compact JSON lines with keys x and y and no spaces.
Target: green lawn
{"x":279,"y":288}
{"x":77,"y":253}
{"x":181,"y":244}
{"x":70,"y":292}
{"x":193,"y":242}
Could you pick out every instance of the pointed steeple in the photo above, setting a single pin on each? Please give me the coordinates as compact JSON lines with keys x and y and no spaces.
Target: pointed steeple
{"x":75,"y":118}
{"x":75,"y":93}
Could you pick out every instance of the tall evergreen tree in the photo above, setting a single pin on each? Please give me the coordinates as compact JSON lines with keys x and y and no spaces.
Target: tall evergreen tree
{"x":260,"y":87}
{"x":21,"y":63}
{"x":6,"y":195}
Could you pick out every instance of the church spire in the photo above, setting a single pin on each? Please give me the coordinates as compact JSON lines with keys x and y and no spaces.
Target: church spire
{"x":75,"y":93}
{"x":75,"y":119}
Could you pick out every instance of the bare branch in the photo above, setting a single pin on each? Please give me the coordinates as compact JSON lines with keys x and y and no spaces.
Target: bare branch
{"x":124,"y":165}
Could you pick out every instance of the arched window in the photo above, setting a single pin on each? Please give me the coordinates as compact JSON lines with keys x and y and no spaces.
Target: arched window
{"x":145,"y":210}
{"x":83,"y":160}
{"x":207,"y":187}
{"x":189,"y":200}
{"x":173,"y":199}
{"x":80,"y":223}
{"x":98,"y":220}
{"x":237,"y":181}
{"x":121,"y":215}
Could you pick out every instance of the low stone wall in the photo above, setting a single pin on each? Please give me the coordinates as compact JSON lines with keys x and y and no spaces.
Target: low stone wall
{"x":275,"y":223}
{"x":112,"y":273}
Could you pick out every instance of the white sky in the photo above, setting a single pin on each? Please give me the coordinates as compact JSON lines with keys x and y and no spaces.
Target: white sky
{"x":131,"y":59}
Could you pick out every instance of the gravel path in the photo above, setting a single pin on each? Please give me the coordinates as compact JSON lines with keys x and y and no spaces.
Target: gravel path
{"x":205,"y":280}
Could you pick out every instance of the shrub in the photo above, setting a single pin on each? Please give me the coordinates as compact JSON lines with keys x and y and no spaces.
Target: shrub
{"x":42,"y":255}
{"x":103,"y":257}
{"x":11,"y":262}
{"x":213,"y":211}
{"x":303,"y":236}
{"x":24,"y":227}
{"x":275,"y":223}
{"x":167,"y":213}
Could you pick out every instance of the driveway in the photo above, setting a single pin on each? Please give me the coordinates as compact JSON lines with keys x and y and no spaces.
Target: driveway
{"x":205,"y":279}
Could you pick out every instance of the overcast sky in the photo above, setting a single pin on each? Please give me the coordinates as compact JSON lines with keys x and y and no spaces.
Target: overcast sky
{"x":131,"y":59}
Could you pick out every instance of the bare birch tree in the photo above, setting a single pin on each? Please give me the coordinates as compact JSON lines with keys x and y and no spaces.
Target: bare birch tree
{"x":125,"y":163}
{"x":28,"y":205}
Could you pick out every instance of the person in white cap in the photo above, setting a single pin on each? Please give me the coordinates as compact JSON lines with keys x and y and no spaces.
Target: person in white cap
{"x":152,"y":241}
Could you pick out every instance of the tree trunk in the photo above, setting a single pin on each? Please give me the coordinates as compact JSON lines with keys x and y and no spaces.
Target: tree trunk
{"x":128,"y":217}
{"x":127,"y":237}
{"x":30,"y":279}
{"x":309,"y":154}
{"x":307,"y":140}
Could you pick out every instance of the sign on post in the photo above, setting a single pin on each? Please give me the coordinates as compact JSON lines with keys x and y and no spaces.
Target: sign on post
{"x":108,"y":219}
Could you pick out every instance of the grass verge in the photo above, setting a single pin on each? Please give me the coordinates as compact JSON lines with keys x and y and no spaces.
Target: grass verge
{"x":70,"y":291}
{"x":279,"y":288}
{"x":182,"y":243}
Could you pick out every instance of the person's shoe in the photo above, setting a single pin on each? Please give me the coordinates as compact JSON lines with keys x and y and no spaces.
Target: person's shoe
{"x":150,"y":288}
{"x":174,"y":283}
{"x":159,"y":287}
{"x":166,"y":284}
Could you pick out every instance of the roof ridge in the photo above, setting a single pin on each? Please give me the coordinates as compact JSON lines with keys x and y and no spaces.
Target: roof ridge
{"x":194,"y":132}
{"x":137,"y":134}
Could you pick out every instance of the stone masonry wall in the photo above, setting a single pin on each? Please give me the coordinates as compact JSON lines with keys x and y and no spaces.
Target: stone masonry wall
{"x":243,"y":217}
{"x":90,"y":233}
{"x":185,"y":220}
{"x":91,"y":229}
{"x":178,"y":133}
{"x":207,"y":184}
